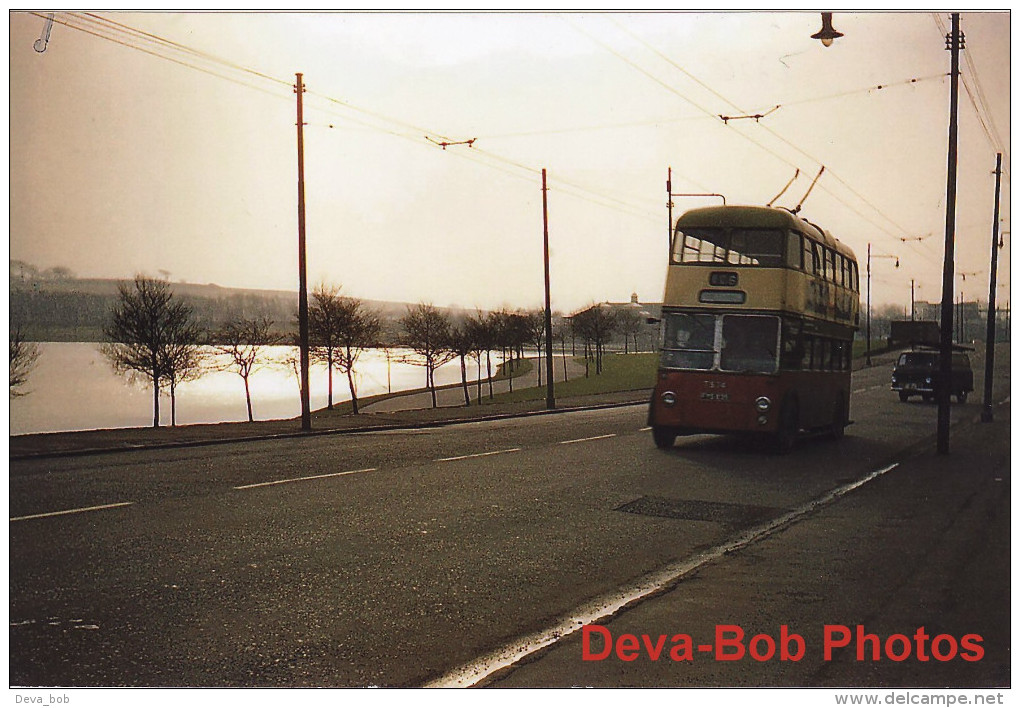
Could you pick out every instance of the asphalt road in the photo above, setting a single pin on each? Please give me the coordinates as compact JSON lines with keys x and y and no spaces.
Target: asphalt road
{"x":387,"y":558}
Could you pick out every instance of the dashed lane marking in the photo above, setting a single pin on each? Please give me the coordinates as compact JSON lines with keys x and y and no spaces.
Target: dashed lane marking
{"x":477,"y":454}
{"x":81,"y":510}
{"x":594,"y":437}
{"x":305,"y":479}
{"x":870,"y":388}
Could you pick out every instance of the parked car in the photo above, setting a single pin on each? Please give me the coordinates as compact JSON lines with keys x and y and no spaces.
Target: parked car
{"x":917,"y":374}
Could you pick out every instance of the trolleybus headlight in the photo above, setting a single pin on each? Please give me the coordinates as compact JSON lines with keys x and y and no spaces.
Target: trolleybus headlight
{"x":669,"y":398}
{"x":762,"y":403}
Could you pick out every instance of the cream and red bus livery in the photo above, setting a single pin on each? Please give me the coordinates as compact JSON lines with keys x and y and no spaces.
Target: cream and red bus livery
{"x":758,"y":320}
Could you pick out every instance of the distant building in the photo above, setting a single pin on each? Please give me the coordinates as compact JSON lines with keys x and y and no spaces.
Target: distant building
{"x":635,"y":332}
{"x":970,"y":319}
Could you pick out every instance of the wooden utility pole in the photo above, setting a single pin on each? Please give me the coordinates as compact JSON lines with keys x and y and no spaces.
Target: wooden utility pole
{"x":306,"y":413}
{"x":867,"y":330}
{"x":669,"y":213}
{"x":986,"y":411}
{"x":550,"y":400}
{"x":954,"y":41}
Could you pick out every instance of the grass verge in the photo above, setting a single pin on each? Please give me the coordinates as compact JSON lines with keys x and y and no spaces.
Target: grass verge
{"x":620,"y":372}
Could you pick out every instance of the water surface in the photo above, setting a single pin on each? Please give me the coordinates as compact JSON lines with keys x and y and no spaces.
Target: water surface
{"x":73,"y":387}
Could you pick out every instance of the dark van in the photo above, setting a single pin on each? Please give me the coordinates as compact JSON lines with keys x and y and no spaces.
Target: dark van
{"x":917,"y":373}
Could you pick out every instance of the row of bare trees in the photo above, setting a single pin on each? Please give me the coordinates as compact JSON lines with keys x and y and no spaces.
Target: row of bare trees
{"x":153,"y":337}
{"x":436,"y":337}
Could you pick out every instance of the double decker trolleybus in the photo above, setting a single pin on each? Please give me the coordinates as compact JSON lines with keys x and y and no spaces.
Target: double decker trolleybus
{"x":758,"y":319}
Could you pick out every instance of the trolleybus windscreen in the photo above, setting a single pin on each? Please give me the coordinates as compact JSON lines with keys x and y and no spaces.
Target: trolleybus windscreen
{"x":689,"y":341}
{"x":749,"y":344}
{"x":735,"y":246}
{"x":743,"y":343}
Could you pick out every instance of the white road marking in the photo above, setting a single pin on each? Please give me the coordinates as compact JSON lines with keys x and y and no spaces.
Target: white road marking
{"x":305,"y":479}
{"x":594,"y":437}
{"x":477,"y":454}
{"x":608,"y":605}
{"x":871,"y":388}
{"x":82,"y":510}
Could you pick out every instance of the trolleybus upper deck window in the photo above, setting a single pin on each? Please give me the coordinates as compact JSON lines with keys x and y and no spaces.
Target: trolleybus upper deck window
{"x":733,"y":246}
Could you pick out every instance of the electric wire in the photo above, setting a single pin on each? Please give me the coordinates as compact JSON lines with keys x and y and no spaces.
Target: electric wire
{"x":853,"y":92}
{"x":180,"y":47}
{"x":835,"y":176}
{"x":132,"y":38}
{"x":677,"y":66}
{"x":130,"y":41}
{"x":983,"y":112}
{"x":139,"y":40}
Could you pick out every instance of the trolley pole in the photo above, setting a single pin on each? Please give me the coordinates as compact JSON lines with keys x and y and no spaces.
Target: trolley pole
{"x":954,"y":42}
{"x":306,"y":414}
{"x":550,"y":400}
{"x":986,"y":412}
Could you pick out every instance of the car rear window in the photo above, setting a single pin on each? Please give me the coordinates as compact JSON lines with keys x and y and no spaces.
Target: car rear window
{"x":917,"y":359}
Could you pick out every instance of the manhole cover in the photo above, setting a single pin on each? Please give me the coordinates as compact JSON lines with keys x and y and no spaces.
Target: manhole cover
{"x":696,"y":510}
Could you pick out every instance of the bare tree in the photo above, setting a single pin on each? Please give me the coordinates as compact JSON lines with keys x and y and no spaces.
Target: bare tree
{"x":359,"y":329}
{"x":480,"y":333}
{"x":534,"y":331}
{"x":185,"y":361}
{"x":628,"y":323}
{"x":24,"y":355}
{"x":244,"y":340}
{"x":462,"y":345}
{"x":147,"y":327}
{"x":324,"y":316}
{"x":341,"y":328}
{"x":511,"y":334}
{"x":596,"y":325}
{"x":427,"y":333}
{"x":560,"y":332}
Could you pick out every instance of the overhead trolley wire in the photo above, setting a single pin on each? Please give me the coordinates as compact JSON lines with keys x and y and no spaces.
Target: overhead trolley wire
{"x":971,"y":76}
{"x":131,"y":31}
{"x":673,"y":90}
{"x":188,"y":57}
{"x":136,"y":41}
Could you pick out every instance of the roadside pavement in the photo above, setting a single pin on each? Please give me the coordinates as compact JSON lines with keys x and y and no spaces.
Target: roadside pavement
{"x":919,"y":557}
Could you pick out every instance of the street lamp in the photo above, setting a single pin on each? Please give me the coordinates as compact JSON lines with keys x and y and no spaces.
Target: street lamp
{"x":826,"y":34}
{"x":867,"y":343}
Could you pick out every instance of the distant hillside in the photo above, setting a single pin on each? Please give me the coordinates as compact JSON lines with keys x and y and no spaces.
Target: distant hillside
{"x":76,"y":309}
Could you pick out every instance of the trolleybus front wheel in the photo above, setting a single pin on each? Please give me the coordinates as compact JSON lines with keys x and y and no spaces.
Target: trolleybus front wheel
{"x":663,"y":437}
{"x":789,"y":425}
{"x":839,"y":420}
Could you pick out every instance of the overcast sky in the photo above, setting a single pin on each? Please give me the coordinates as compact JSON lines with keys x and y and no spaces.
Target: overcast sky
{"x":168,"y":143}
